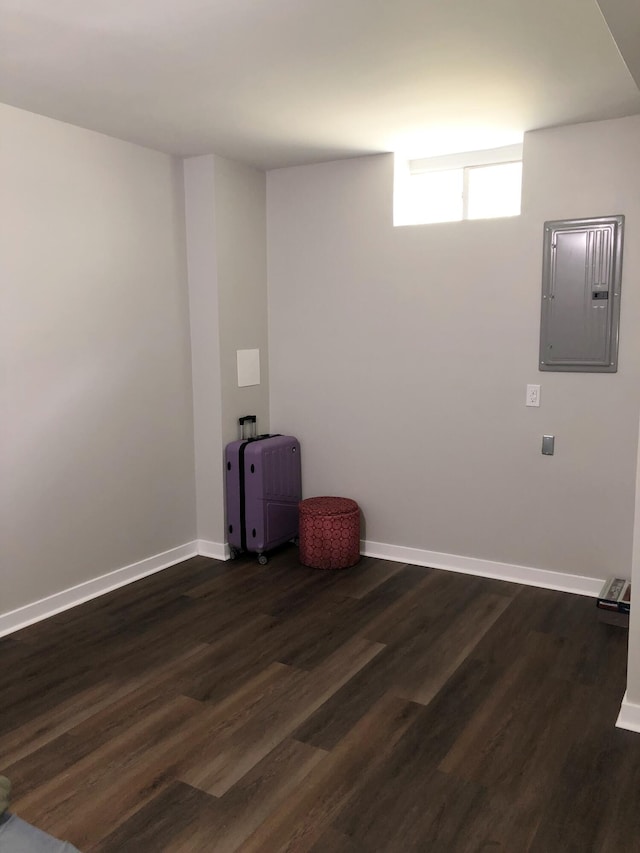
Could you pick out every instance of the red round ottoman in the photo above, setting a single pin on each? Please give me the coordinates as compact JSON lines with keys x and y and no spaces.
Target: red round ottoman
{"x":329,"y":533}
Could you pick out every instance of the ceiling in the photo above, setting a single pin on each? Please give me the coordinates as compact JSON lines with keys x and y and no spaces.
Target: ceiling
{"x":284,"y":82}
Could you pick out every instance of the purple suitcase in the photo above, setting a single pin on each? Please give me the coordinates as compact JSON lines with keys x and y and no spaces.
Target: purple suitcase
{"x":263,"y":489}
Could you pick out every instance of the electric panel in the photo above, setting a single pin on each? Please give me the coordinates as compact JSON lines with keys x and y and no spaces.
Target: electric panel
{"x":581,"y":279}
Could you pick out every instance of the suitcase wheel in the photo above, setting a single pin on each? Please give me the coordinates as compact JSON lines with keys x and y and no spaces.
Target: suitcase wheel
{"x":233,"y":553}
{"x":263,"y":559}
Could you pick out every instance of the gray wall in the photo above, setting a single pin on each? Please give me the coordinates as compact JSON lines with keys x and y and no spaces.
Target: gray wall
{"x":241,"y":240}
{"x":226,"y":244}
{"x":97,"y":431}
{"x":400,"y":356}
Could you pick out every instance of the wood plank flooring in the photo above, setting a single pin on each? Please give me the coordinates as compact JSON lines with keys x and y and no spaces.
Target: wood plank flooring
{"x":231,"y":706}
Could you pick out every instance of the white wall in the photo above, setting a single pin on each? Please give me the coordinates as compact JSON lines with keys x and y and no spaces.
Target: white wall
{"x":97,"y":433}
{"x":226,"y":245}
{"x":400,"y":357}
{"x":633,"y":669}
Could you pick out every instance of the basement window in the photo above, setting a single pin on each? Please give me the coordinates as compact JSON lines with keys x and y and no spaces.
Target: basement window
{"x":473,"y":185}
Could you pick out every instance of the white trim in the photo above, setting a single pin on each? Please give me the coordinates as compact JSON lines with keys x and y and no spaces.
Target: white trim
{"x":485,"y":157}
{"x":629,"y":716}
{"x":484,"y":568}
{"x":217,"y":550}
{"x":67,"y":598}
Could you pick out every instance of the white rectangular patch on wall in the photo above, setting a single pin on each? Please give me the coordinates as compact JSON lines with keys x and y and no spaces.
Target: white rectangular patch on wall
{"x":248,"y":367}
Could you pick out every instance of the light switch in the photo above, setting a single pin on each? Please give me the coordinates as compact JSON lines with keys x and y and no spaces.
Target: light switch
{"x":548,"y":442}
{"x":248,"y":367}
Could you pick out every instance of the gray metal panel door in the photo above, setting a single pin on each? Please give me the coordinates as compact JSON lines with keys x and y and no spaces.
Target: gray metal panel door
{"x":581,"y":294}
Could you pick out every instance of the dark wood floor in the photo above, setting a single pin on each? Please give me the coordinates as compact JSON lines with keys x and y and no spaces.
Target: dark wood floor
{"x":220,"y":707}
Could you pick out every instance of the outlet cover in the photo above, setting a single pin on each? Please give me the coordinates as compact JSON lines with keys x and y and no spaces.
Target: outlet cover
{"x":533,"y":395}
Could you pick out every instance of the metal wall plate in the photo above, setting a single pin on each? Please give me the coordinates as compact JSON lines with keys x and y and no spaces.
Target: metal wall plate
{"x":581,"y":281}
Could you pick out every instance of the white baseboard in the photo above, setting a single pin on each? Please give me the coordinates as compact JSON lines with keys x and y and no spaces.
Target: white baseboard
{"x":629,"y":716}
{"x":484,"y":568}
{"x":67,"y":598}
{"x":217,"y":550}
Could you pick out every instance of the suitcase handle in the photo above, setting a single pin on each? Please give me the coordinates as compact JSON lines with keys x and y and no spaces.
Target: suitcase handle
{"x":248,"y":419}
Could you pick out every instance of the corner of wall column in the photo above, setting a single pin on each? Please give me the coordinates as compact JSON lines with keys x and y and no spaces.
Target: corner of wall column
{"x":241,"y":235}
{"x":202,"y":270}
{"x":633,"y":668}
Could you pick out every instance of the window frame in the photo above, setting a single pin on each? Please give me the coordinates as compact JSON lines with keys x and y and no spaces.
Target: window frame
{"x":405,"y":170}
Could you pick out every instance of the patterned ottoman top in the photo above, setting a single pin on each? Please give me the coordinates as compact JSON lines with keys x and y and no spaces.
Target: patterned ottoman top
{"x":326,"y":505}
